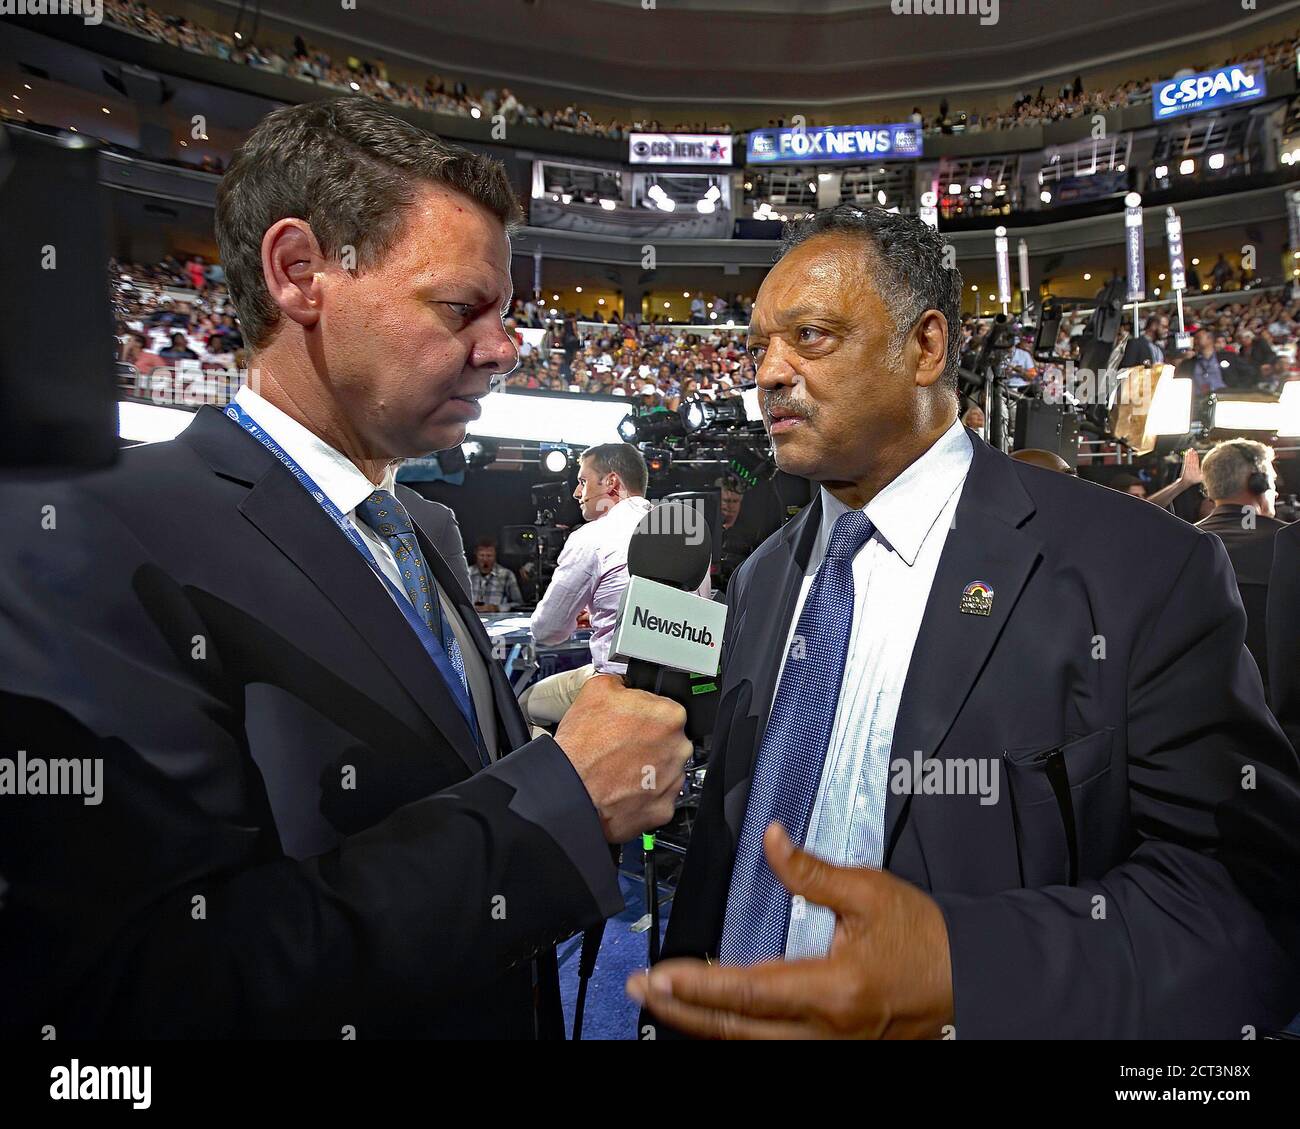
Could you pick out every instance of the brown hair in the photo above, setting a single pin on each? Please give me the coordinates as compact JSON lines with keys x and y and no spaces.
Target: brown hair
{"x":347,"y":167}
{"x":622,"y":459}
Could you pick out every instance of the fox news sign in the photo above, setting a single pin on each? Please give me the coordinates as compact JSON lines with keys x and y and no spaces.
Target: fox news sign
{"x":1228,"y":86}
{"x":679,"y":149}
{"x":834,"y":143}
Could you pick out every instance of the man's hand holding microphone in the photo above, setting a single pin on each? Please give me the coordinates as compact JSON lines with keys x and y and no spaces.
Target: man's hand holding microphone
{"x":627,"y":738}
{"x":630,"y":750}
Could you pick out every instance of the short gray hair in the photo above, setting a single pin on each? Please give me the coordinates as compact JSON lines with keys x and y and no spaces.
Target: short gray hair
{"x":908,"y":270}
{"x":1228,"y":467}
{"x":622,"y":459}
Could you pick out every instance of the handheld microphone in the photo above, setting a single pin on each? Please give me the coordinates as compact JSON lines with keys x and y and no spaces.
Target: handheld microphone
{"x":671,"y":637}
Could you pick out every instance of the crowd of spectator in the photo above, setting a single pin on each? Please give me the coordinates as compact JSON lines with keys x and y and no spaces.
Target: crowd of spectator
{"x":440,"y":94}
{"x":1245,"y":345}
{"x":371,"y":77}
{"x":1044,"y":106}
{"x":173,"y":311}
{"x":652,"y":365}
{"x":180,"y":311}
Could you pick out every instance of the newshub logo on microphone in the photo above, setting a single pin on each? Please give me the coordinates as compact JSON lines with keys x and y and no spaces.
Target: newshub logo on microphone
{"x":677,"y":628}
{"x":664,"y":625}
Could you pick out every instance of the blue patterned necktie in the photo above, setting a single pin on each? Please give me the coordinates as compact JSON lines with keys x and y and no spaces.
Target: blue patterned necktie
{"x":383,"y":513}
{"x":788,"y":769}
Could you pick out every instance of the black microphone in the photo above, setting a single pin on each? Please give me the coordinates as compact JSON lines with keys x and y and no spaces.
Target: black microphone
{"x":672,"y":638}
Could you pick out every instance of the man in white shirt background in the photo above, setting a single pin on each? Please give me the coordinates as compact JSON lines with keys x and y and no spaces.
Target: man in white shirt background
{"x":591,"y":574}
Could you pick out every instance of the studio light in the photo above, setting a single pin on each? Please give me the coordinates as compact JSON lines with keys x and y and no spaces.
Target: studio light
{"x":1171,"y":406}
{"x":651,"y":427}
{"x":555,"y":461}
{"x":1289,"y":409}
{"x":1259,"y":417}
{"x":698,"y":413}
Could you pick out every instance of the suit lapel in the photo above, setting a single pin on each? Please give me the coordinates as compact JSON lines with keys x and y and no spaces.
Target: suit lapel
{"x":297,"y":526}
{"x":511,"y":733}
{"x":985,"y":544}
{"x":779,"y":572}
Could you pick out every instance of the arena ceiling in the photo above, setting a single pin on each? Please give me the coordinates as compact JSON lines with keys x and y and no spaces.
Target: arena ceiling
{"x":804,"y":53}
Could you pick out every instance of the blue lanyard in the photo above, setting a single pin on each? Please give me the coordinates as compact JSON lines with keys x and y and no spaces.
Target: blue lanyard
{"x":432,"y":644}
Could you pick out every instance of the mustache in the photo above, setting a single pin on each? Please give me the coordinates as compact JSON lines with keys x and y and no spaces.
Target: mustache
{"x":773,"y":400}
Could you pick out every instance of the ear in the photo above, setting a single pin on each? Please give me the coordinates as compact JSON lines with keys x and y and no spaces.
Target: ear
{"x":930,"y":340}
{"x":292,"y":263}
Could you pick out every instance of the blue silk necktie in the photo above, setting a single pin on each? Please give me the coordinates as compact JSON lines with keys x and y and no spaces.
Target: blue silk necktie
{"x":788,"y":769}
{"x":383,"y":513}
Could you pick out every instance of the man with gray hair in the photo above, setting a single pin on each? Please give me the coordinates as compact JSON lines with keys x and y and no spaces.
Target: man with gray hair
{"x":929,"y":607}
{"x":1240,"y":480}
{"x":591,"y":574}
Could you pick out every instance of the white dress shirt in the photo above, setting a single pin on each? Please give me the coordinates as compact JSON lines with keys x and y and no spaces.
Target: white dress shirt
{"x":591,"y":573}
{"x":344,"y":485}
{"x":892,"y":576}
{"x":337,"y":476}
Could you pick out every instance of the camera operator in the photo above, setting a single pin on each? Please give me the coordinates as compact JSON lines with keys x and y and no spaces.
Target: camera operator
{"x":591,"y":574}
{"x":739,"y":537}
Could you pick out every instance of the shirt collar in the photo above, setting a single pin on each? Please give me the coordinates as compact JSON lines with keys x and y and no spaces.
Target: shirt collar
{"x":336,"y":475}
{"x":905,"y":511}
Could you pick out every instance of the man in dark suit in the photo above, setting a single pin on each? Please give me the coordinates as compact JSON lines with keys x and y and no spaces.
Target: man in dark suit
{"x":1214,"y":370}
{"x":1036,"y":785}
{"x":1284,"y":631}
{"x":1239,"y":478}
{"x":1144,"y":348}
{"x":305,"y":821}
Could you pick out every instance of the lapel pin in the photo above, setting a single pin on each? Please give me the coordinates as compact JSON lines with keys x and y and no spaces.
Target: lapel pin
{"x":977,"y":598}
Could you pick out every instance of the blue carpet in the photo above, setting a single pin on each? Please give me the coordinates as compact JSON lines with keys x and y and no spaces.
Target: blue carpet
{"x":609,"y":1013}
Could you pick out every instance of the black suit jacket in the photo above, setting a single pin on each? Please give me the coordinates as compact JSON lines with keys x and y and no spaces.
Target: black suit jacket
{"x":1138,"y":351}
{"x":1125,"y":884}
{"x":1235,"y":370}
{"x":1284,"y":631}
{"x":295,"y":835}
{"x":1250,"y":548}
{"x":443,"y":530}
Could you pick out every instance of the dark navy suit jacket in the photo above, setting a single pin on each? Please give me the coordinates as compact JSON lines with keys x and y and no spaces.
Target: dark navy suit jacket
{"x":1137,"y":877}
{"x":1284,"y":630}
{"x":296,"y":835}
